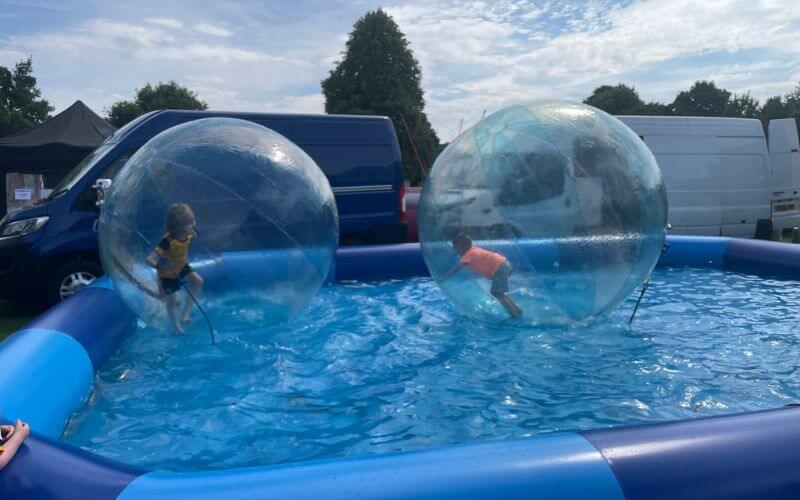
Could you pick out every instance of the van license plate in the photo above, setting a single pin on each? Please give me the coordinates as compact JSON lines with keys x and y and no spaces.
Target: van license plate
{"x":785,"y":207}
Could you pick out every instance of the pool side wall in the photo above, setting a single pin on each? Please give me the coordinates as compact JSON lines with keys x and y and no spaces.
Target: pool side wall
{"x":563,"y":465}
{"x":47,"y":371}
{"x":48,"y":368}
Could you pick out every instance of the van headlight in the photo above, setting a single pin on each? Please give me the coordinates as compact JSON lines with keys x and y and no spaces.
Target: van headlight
{"x":25,"y":226}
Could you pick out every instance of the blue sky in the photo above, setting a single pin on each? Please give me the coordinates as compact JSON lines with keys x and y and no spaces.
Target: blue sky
{"x":475,"y":55}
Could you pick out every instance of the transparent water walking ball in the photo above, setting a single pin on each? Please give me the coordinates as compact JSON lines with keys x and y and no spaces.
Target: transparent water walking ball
{"x":262,"y":234}
{"x":567,"y":201}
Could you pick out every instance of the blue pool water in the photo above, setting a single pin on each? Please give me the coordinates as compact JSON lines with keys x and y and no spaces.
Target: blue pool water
{"x":371,"y":368}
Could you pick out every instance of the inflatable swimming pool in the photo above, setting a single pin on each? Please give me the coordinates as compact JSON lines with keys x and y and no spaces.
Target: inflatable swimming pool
{"x":48,"y":369}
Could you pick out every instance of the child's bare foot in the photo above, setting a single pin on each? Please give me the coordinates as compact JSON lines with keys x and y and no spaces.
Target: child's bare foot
{"x":187,"y":320}
{"x":178,"y":328}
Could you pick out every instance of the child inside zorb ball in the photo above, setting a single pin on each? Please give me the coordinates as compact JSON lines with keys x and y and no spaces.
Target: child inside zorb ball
{"x":491,"y":265}
{"x":570,"y":195}
{"x":269,"y":228}
{"x":171,"y":260}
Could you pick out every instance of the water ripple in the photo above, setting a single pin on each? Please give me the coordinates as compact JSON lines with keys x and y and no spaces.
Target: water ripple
{"x":373,"y":367}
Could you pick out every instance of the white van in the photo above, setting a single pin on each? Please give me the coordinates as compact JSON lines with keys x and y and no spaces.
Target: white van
{"x":784,"y":160}
{"x":721,"y":179}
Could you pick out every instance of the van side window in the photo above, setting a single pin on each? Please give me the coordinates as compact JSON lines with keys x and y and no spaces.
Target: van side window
{"x":86,"y":202}
{"x":353,"y":165}
{"x":117,"y":164}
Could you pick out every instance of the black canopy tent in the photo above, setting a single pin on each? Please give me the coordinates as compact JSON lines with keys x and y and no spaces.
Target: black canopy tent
{"x":56,"y":145}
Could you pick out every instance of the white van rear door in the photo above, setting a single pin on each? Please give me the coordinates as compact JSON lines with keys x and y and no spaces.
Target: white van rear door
{"x":744,"y":185}
{"x":784,"y":158}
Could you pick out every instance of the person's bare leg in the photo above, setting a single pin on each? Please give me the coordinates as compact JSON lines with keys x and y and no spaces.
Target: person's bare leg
{"x":172,"y":311}
{"x":195,"y":283}
{"x":512,"y":308}
{"x":513,"y":305}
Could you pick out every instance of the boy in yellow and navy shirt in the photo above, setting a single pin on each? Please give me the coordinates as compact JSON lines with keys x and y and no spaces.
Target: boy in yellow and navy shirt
{"x":171,"y":260}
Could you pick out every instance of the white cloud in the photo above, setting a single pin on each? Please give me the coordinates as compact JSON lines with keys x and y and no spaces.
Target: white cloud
{"x":310,"y":103}
{"x":166,"y":22}
{"x":210,"y":29}
{"x":102,"y":60}
{"x":491,"y":55}
{"x":475,"y":55}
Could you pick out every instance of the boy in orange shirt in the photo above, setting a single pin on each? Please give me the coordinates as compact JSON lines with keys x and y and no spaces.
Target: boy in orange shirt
{"x":491,"y":265}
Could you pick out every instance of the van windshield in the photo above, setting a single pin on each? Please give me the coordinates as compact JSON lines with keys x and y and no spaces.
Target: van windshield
{"x":79,"y":171}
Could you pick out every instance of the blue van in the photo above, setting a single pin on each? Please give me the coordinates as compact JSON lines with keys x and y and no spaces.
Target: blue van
{"x":49,"y":251}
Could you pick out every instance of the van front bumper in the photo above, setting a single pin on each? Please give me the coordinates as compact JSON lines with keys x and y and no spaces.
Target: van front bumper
{"x":20,"y":270}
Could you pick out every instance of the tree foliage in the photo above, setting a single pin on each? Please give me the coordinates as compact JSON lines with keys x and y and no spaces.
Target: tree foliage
{"x":792,"y":100}
{"x":623,"y":100}
{"x":703,"y":99}
{"x":742,"y":106}
{"x":617,"y":100}
{"x":378,"y":75}
{"x":168,"y":95}
{"x":21,"y":103}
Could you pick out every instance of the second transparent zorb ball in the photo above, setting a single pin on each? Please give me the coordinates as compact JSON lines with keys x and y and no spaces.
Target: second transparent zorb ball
{"x":544,"y":213}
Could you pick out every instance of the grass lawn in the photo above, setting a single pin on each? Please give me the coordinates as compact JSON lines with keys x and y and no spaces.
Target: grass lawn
{"x":13,"y":315}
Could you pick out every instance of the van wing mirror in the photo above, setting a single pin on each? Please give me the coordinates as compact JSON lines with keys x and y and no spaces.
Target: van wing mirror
{"x":102,"y":186}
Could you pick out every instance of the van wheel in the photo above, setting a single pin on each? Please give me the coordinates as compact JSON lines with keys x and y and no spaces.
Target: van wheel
{"x":70,"y":278}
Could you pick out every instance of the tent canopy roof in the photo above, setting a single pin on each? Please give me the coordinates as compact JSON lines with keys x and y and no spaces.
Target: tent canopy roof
{"x":55,"y":145}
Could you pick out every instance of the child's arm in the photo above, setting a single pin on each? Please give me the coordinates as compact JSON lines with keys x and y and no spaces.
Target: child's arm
{"x":153,"y":258}
{"x":11,"y":446}
{"x":453,"y":270}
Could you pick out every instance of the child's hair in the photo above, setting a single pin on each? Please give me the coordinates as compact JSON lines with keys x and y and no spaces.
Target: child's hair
{"x":178,"y":216}
{"x":462,"y":239}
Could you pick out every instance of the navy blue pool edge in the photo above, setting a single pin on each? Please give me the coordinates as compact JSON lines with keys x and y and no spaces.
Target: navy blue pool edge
{"x":48,"y":368}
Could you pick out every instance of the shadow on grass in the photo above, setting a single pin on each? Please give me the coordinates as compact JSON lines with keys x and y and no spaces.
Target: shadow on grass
{"x":15,"y":314}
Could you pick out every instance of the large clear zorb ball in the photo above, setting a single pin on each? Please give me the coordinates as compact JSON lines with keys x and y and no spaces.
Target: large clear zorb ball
{"x":262,"y":237}
{"x":569,"y":197}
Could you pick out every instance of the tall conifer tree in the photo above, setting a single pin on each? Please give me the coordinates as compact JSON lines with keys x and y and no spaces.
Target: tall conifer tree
{"x":378,"y":75}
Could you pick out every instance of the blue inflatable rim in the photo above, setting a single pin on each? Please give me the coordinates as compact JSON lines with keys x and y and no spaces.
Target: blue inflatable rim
{"x":49,"y":365}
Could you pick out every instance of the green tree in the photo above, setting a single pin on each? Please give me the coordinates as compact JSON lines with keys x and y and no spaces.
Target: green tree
{"x":623,"y":100}
{"x":617,"y":100}
{"x":792,"y":100}
{"x":786,"y":106}
{"x":168,"y":95}
{"x":703,"y":99}
{"x":21,"y":103}
{"x":652,"y":109}
{"x":773,"y":108}
{"x":378,"y":75}
{"x":742,"y":106}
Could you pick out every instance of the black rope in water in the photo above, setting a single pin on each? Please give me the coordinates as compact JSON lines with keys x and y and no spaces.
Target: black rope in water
{"x":664,"y":249}
{"x":101,"y":204}
{"x":639,"y":301}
